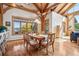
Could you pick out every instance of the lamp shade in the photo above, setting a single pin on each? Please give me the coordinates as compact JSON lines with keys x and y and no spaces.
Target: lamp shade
{"x":37,"y":21}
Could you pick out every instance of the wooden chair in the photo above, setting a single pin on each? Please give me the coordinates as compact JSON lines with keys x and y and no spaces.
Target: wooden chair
{"x":3,"y":43}
{"x":30,"y":42}
{"x":49,"y":41}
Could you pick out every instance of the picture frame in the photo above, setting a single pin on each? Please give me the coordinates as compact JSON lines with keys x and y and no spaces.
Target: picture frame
{"x":7,"y":23}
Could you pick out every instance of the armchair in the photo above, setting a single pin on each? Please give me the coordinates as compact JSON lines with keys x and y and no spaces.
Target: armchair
{"x":74,"y":36}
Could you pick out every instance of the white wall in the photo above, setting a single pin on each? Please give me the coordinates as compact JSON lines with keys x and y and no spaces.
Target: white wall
{"x":15,"y":12}
{"x":57,"y":19}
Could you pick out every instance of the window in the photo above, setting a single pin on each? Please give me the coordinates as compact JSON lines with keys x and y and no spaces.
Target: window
{"x":77,"y":18}
{"x":16,"y":26}
{"x":77,"y":23}
{"x":21,"y":25}
{"x":75,"y":8}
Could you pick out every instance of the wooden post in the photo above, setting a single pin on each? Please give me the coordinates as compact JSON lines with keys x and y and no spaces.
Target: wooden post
{"x":1,"y":15}
{"x":43,"y":23}
{"x":67,"y":25}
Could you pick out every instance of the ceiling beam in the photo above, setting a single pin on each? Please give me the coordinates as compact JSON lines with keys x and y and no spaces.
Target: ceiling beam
{"x":50,"y":11}
{"x":73,"y":13}
{"x":6,"y":9}
{"x":36,"y":5}
{"x":47,"y":4}
{"x":59,"y":7}
{"x":52,"y":6}
{"x":69,"y":7}
{"x":25,"y":8}
{"x":22,"y":8}
{"x":62,"y":7}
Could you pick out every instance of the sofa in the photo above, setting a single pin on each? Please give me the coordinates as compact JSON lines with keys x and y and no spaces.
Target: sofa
{"x":74,"y":35}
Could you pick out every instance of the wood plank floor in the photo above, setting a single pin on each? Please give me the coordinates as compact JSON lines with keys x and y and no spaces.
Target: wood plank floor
{"x":63,"y":47}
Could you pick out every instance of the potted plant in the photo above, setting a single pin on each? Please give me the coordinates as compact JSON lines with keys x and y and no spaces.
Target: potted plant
{"x":2,"y":29}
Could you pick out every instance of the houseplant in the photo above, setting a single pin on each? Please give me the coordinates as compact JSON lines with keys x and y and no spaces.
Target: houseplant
{"x":2,"y":29}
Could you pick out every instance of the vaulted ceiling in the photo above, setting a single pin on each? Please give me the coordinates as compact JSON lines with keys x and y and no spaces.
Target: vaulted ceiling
{"x":40,"y":8}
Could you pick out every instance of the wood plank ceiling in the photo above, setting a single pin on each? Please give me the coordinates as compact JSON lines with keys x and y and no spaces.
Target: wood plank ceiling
{"x":40,"y":8}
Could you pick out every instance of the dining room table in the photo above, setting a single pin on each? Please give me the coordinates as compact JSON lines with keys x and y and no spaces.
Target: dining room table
{"x":39,"y":37}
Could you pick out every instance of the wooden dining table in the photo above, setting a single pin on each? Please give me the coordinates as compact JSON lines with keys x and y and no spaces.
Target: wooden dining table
{"x":39,"y":38}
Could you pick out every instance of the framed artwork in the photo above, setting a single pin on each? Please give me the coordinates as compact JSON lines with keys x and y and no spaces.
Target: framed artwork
{"x":7,"y":23}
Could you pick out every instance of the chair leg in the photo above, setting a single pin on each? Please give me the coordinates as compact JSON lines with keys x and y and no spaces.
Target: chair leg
{"x":24,"y":43}
{"x":47,"y":50}
{"x":53,"y":47}
{"x":3,"y":50}
{"x":27,"y":47}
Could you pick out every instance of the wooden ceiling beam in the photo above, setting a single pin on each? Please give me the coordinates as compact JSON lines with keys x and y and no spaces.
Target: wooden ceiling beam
{"x":36,"y":5}
{"x":50,"y":11}
{"x":6,"y":9}
{"x":73,"y":13}
{"x":52,"y":6}
{"x":47,"y":4}
{"x":62,"y":7}
{"x":22,"y":8}
{"x":73,"y":4}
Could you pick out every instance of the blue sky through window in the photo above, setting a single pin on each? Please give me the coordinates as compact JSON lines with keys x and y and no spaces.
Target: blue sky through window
{"x":16,"y":26}
{"x":75,"y":8}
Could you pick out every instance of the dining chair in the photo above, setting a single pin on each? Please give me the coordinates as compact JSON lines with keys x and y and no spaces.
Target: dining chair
{"x":3,"y":43}
{"x":30,"y":42}
{"x":49,"y":41}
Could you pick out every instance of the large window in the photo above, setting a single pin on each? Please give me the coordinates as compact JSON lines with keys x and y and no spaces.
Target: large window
{"x":21,"y":27}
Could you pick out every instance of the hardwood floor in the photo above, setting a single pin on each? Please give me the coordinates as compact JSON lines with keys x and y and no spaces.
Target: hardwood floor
{"x":63,"y":47}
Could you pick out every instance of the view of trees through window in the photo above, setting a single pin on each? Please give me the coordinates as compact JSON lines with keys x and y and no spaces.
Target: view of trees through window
{"x":77,"y":22}
{"x":21,"y":27}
